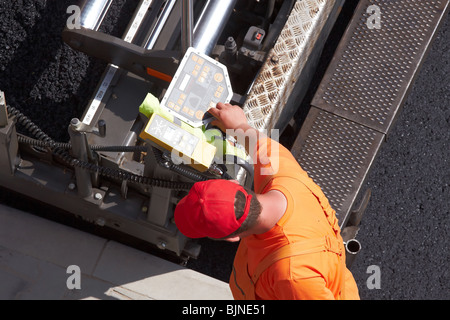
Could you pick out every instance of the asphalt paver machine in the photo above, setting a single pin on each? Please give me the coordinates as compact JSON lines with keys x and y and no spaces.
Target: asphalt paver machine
{"x":146,"y":136}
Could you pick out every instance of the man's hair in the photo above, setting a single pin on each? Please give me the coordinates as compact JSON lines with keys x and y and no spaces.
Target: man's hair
{"x":253,"y":214}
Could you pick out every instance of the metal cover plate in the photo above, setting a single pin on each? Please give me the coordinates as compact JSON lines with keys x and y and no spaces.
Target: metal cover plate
{"x":290,"y":55}
{"x":199,"y":84}
{"x":336,"y":153}
{"x":369,"y":77}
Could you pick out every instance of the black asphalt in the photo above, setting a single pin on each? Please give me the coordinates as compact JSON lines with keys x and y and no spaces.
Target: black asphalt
{"x":405,"y":230}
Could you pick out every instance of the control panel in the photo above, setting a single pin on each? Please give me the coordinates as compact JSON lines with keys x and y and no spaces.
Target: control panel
{"x":198,"y":85}
{"x":194,"y":150}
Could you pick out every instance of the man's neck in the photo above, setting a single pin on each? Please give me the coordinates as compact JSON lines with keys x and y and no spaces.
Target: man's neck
{"x":274,"y":205}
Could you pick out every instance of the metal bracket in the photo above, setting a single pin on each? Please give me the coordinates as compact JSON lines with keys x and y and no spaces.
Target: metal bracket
{"x":9,"y":146}
{"x":3,"y":111}
{"x":352,"y":246}
{"x":100,"y":130}
{"x":148,"y":64}
{"x":81,"y":151}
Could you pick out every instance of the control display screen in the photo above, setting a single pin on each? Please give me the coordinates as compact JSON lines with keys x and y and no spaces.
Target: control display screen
{"x":199,"y":84}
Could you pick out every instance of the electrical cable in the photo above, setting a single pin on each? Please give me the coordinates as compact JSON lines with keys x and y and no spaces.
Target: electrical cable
{"x":60,"y":151}
{"x":68,"y":145}
{"x":119,"y":174}
{"x":184,"y":171}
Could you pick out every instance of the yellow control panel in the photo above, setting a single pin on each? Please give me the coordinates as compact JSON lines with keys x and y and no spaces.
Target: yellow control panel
{"x":191,"y":149}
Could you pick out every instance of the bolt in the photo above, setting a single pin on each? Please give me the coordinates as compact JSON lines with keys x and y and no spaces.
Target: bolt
{"x":72,"y":186}
{"x":100,"y":221}
{"x":161,"y":245}
{"x":166,"y":164}
{"x":98,"y":196}
{"x":75,"y":122}
{"x":230,"y":45}
{"x":214,"y":169}
{"x":275,"y":58}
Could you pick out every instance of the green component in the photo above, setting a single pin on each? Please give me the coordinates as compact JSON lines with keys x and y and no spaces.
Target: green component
{"x":151,"y":105}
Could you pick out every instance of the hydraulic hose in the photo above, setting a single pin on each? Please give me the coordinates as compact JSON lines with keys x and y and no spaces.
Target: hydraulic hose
{"x":184,"y":171}
{"x":60,"y":151}
{"x":29,"y":125}
{"x":68,"y":145}
{"x":119,"y":174}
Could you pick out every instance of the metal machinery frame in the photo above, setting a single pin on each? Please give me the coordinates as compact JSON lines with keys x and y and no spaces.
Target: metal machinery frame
{"x":108,"y":175}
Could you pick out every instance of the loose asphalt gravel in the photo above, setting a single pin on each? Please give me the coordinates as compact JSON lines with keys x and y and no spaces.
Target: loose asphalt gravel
{"x":405,"y":230}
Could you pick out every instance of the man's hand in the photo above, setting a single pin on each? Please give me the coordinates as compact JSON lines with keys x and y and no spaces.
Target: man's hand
{"x":229,"y":117}
{"x":232,"y":120}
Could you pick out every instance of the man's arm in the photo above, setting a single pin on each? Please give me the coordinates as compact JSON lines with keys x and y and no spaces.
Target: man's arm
{"x":270,"y":159}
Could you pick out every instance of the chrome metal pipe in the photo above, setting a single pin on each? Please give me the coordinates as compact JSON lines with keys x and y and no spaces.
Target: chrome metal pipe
{"x":211,"y":23}
{"x":187,"y":24}
{"x":160,"y":24}
{"x":352,"y":248}
{"x":93,"y":12}
{"x":111,"y":69}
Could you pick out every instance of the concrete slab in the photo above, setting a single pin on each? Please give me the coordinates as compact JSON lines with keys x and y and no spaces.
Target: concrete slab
{"x":154,"y":277}
{"x":28,"y":278}
{"x":25,"y":277}
{"x":35,"y":254}
{"x":47,"y":240}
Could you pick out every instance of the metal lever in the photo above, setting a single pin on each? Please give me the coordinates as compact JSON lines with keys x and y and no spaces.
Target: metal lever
{"x":82,"y":151}
{"x":101,"y":128}
{"x":84,"y":128}
{"x":356,"y":215}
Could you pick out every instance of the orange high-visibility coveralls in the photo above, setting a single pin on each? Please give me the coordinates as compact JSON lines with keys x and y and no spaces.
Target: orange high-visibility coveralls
{"x":315,"y":267}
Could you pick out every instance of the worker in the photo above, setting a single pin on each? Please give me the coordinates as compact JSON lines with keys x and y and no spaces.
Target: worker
{"x":290,"y":243}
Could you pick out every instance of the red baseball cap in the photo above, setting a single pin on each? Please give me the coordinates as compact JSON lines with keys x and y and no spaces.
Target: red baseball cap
{"x":208,"y":209}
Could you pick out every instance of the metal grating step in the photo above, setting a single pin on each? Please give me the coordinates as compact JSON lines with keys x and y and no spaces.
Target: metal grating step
{"x":336,"y":153}
{"x":362,"y":92}
{"x":375,"y":65}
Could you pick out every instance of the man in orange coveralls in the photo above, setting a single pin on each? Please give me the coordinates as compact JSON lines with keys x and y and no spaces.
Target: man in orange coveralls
{"x":290,"y":243}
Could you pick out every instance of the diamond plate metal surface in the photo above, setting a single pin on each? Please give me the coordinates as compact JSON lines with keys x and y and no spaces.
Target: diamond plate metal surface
{"x":369,"y":78}
{"x":336,"y":153}
{"x":286,"y":60}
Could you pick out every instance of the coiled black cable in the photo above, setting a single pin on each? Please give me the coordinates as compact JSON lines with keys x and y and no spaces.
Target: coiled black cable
{"x":29,"y":125}
{"x":158,"y":155}
{"x":68,"y":145}
{"x":118,"y":174}
{"x":60,"y":151}
{"x":184,"y":171}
